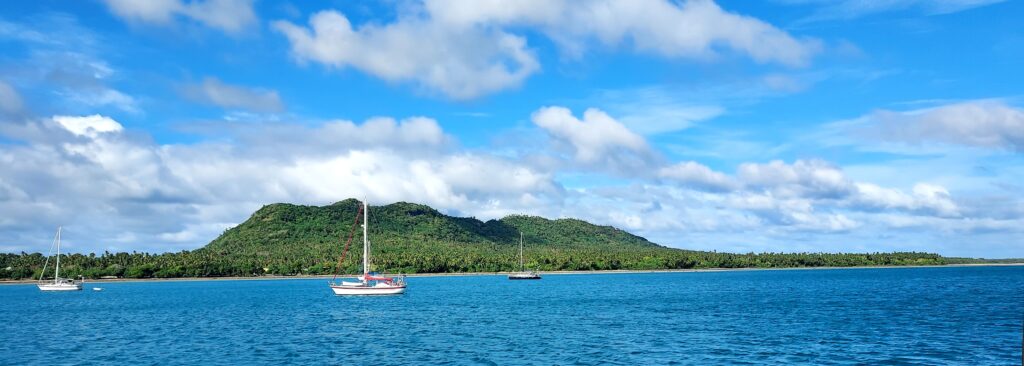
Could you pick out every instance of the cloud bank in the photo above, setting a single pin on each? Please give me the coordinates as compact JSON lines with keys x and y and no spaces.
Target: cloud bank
{"x":130,"y":192}
{"x":465,"y":50}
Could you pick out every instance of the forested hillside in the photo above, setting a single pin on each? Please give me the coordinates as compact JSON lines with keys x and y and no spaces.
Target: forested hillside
{"x":286,"y":239}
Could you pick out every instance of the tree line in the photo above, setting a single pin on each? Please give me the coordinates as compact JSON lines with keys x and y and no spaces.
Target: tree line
{"x":284,"y":239}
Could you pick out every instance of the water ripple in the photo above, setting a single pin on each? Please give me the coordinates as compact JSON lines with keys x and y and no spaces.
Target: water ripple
{"x":922,"y":316}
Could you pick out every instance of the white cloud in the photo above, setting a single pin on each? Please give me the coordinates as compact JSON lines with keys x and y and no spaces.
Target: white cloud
{"x":935,"y":197}
{"x":231,"y":16}
{"x":692,"y":29}
{"x":213,"y":91}
{"x":117,"y":190}
{"x":461,"y":64}
{"x":929,"y":198}
{"x":104,"y":183}
{"x":156,"y":11}
{"x":803,"y":178}
{"x":90,"y":126}
{"x":468,"y":50}
{"x":597,"y":140}
{"x":696,"y":175}
{"x":793,"y":214}
{"x":815,"y":182}
{"x":983,"y":123}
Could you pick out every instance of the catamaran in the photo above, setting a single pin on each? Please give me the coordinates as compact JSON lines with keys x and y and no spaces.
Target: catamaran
{"x":523,"y":274}
{"x":58,"y":284}
{"x":369,"y":283}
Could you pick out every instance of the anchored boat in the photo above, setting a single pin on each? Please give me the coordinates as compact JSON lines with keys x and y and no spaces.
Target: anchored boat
{"x":58,"y":283}
{"x":369,"y":283}
{"x":523,"y":274}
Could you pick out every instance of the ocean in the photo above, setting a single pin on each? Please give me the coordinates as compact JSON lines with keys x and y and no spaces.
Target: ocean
{"x":922,"y":316}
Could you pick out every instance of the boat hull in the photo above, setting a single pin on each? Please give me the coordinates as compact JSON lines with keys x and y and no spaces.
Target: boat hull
{"x":367,"y":290}
{"x":524,"y":276}
{"x":52,"y":287}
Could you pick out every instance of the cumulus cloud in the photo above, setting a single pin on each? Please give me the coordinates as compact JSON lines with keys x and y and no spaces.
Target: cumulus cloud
{"x":468,"y":50}
{"x":692,"y":29}
{"x":805,"y":196}
{"x":121,"y":190}
{"x":596,"y":140}
{"x":231,"y":16}
{"x":460,"y":64}
{"x":984,"y":123}
{"x":90,"y":126}
{"x":213,"y":91}
{"x":804,"y":178}
{"x":699,"y":176}
{"x":794,"y":213}
{"x":928,"y":198}
{"x":817,"y":181}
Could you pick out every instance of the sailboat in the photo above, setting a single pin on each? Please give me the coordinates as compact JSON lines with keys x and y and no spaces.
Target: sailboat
{"x":523,"y":274}
{"x":369,"y":283}
{"x":58,"y":284}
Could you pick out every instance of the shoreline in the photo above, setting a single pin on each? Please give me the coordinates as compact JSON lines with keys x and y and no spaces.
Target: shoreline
{"x":461,"y":274}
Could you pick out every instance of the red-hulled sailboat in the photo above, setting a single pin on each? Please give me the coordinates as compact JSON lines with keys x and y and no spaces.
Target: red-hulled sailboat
{"x":369,"y":283}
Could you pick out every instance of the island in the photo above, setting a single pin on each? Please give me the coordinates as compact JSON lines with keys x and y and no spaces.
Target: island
{"x":295,"y":240}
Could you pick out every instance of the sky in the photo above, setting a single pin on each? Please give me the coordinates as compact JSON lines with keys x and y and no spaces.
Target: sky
{"x":736,"y":126}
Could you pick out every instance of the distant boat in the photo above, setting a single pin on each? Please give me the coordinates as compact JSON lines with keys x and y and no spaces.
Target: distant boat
{"x":523,"y":274}
{"x":369,"y":283}
{"x":58,"y":283}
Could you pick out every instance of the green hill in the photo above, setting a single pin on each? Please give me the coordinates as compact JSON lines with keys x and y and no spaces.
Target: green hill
{"x":408,"y":237}
{"x":412,"y":238}
{"x":286,"y":239}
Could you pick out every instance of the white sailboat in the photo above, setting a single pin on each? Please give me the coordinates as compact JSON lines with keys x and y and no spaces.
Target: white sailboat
{"x":368,"y":283}
{"x":523,"y":274}
{"x":58,"y":283}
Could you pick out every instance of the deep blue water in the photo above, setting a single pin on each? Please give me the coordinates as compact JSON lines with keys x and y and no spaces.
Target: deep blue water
{"x":959,"y":315}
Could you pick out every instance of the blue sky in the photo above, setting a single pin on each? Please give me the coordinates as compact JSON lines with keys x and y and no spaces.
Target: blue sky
{"x":787,"y":125}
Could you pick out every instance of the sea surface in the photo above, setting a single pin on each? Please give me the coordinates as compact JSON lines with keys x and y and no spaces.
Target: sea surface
{"x":926,"y":316}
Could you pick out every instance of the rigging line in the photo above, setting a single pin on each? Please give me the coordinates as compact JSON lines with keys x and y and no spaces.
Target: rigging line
{"x":47,"y":262}
{"x":351,"y":234}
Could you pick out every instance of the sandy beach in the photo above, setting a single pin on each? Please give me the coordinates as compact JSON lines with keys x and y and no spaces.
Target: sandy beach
{"x":327,"y":277}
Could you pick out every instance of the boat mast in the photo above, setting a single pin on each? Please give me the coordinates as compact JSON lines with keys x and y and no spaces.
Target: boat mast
{"x":366,"y":241}
{"x":56,"y":273}
{"x":521,"y":251}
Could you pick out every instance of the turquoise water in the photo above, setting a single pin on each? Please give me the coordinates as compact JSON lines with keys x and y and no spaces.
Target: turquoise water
{"x":961,"y":315}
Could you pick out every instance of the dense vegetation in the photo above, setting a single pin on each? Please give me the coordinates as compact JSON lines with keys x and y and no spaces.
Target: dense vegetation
{"x":285,"y":239}
{"x":962,"y":260}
